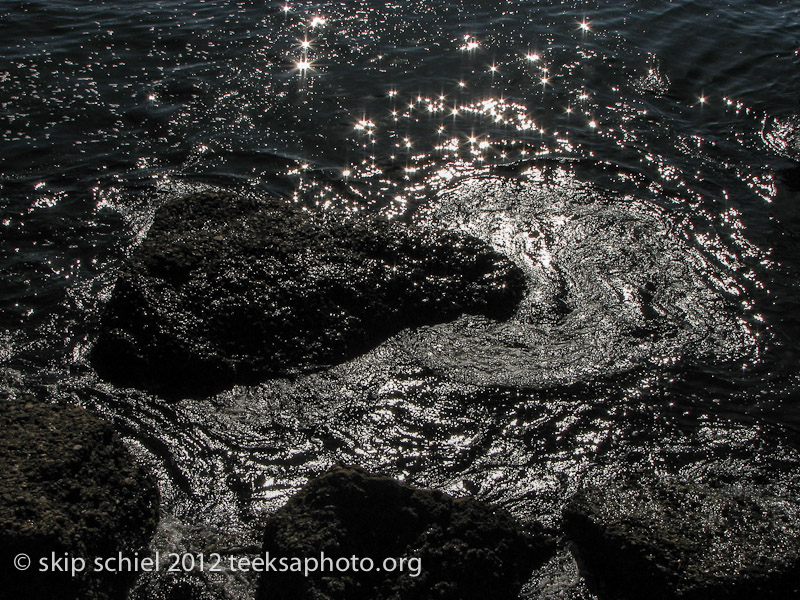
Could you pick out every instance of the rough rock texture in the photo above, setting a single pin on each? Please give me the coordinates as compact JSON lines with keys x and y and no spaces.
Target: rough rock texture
{"x":659,"y":538}
{"x":228,"y":289}
{"x":68,"y":485}
{"x":467,"y":549}
{"x":175,"y":585}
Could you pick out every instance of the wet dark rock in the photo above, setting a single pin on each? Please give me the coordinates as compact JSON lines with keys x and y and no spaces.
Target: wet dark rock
{"x":466,"y":549}
{"x":176,"y":585}
{"x":228,"y":289}
{"x":68,"y":488}
{"x":647,"y":536}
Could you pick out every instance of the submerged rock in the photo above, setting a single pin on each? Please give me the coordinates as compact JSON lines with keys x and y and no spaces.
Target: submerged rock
{"x":228,"y":289}
{"x":457,"y":549}
{"x":656,"y":537}
{"x":69,"y":490}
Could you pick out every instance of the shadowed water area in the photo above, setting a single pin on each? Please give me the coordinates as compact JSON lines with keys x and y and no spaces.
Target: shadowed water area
{"x":635,"y":162}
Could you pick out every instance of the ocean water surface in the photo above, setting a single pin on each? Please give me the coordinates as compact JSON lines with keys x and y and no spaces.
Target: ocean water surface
{"x":638,"y":160}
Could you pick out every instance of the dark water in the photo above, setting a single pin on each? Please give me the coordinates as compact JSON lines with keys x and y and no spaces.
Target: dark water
{"x":636,"y":159}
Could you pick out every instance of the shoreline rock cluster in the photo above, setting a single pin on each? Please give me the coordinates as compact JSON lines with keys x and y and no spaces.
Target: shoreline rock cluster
{"x":635,"y":535}
{"x":227,"y":289}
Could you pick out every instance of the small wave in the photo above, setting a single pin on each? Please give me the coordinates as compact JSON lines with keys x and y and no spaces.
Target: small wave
{"x":614,"y":283}
{"x":783,"y":135}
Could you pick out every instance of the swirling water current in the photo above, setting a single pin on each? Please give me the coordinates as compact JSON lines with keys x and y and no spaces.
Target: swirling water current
{"x":637,"y":159}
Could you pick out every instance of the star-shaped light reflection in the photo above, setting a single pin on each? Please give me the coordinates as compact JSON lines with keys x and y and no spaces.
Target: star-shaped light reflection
{"x":303,"y":65}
